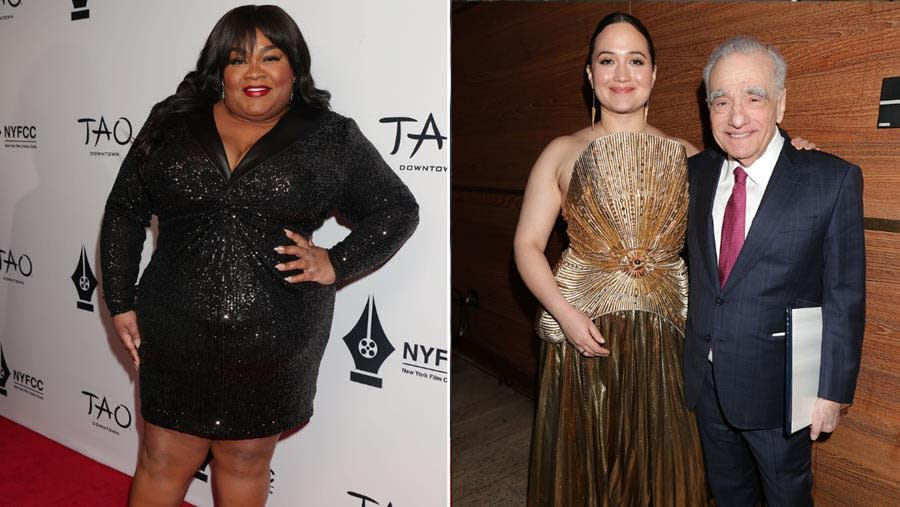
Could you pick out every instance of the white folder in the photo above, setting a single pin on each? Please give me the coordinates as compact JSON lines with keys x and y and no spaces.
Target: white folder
{"x":803,"y":336}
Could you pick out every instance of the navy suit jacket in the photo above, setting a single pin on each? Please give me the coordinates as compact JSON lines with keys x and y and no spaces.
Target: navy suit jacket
{"x":804,"y":248}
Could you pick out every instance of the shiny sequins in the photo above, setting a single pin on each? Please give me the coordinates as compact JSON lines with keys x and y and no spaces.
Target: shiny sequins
{"x":230,"y":349}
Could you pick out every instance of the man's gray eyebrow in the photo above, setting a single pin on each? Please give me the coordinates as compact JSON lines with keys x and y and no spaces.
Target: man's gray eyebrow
{"x":716,"y":94}
{"x":759,"y":92}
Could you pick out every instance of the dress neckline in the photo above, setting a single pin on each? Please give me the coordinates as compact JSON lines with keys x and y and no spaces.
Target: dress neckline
{"x":608,"y":137}
{"x":623,"y":133}
{"x":292,"y":126}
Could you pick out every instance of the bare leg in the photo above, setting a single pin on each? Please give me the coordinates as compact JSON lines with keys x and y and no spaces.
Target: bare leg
{"x":167,"y":461}
{"x":240,"y":471}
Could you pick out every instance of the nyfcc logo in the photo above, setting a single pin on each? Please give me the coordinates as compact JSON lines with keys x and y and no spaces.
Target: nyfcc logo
{"x":20,"y":136}
{"x":23,"y":381}
{"x":370,"y":348}
{"x":425,"y":362}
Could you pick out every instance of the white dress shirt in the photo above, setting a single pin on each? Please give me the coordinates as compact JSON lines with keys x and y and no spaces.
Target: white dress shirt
{"x":758,"y":175}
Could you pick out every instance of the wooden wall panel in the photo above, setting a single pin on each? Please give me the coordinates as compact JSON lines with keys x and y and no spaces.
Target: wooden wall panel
{"x":859,"y":465}
{"x":483,"y":223}
{"x":837,"y":53}
{"x":518,"y":72}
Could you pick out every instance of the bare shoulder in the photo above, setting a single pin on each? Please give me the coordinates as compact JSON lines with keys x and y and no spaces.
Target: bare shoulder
{"x":688,"y":147}
{"x":573,"y":144}
{"x":558,"y":159}
{"x":562,"y":151}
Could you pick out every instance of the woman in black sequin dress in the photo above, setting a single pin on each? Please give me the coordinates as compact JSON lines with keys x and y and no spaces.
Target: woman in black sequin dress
{"x":233,"y":312}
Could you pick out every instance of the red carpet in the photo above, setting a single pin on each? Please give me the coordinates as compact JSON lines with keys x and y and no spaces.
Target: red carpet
{"x":38,"y":472}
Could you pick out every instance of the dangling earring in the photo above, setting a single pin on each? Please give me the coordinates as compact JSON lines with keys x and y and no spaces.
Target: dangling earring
{"x":646,"y":110}
{"x":223,"y":89}
{"x":593,"y":107}
{"x":290,"y":100}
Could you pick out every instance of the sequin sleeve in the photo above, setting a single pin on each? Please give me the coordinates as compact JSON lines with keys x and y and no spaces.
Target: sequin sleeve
{"x":125,"y":219}
{"x":382,"y":210}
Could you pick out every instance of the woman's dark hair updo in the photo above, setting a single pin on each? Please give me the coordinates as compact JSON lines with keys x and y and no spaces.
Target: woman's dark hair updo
{"x":621,"y":17}
{"x":202,"y":87}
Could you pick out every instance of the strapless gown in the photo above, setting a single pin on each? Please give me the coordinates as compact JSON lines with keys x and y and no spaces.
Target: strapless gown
{"x":614,"y":431}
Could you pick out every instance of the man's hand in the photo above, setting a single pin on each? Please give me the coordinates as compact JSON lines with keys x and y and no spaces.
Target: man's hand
{"x":825,"y":417}
{"x":803,"y":144}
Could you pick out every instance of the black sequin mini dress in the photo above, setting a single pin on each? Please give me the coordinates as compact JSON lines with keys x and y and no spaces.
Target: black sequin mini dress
{"x":229,"y":349}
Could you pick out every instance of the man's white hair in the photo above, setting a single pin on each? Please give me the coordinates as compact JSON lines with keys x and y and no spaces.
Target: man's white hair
{"x":746,"y":45}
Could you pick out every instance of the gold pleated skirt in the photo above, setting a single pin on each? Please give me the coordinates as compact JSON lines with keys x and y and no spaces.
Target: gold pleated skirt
{"x":614,"y":431}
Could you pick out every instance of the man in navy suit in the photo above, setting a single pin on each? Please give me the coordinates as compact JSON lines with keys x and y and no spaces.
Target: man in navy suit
{"x":769,"y":227}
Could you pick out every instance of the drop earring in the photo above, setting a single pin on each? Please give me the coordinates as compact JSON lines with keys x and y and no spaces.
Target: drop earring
{"x":294,"y":82}
{"x":223,"y":89}
{"x":593,"y":107}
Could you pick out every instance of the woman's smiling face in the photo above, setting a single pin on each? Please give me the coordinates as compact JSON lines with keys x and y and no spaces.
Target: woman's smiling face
{"x":621,"y":72}
{"x":258,"y":85}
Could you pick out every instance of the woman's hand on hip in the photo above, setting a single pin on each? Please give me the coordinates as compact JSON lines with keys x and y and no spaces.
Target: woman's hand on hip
{"x":581,"y":332}
{"x":312,"y":260}
{"x":125,"y":325}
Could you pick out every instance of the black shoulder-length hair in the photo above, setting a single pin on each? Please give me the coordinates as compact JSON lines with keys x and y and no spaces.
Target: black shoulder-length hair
{"x":202,"y":87}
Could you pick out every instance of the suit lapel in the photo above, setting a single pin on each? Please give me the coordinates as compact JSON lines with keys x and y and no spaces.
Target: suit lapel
{"x":704,"y":187}
{"x":777,"y":198}
{"x":203,"y":127}
{"x":294,"y":125}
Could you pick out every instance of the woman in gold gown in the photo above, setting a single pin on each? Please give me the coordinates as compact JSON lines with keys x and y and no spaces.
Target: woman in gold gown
{"x":611,"y":426}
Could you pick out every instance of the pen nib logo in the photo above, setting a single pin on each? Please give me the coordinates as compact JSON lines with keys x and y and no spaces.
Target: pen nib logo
{"x":201,"y":473}
{"x":84,"y":281}
{"x":4,"y":372}
{"x":369,"y":346}
{"x":80,"y":11}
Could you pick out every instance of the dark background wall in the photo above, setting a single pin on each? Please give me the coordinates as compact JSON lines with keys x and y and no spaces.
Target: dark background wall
{"x":517,"y":74}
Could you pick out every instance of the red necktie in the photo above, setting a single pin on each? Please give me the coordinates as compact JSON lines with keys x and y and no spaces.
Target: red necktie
{"x":733,"y":226}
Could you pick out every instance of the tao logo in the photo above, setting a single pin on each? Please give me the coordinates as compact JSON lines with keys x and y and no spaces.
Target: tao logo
{"x":20,"y":264}
{"x":120,"y":132}
{"x":365,"y":501}
{"x":429,"y":132}
{"x":121,"y":415}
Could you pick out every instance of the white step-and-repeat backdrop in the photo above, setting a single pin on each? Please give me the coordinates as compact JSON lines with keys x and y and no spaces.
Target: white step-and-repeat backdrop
{"x":78,"y":80}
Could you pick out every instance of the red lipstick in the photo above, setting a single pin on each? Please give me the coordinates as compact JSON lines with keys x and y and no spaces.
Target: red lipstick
{"x":622,"y":89}
{"x":256,"y":91}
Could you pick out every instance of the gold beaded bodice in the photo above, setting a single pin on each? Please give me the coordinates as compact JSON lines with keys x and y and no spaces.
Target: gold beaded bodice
{"x":626,"y":210}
